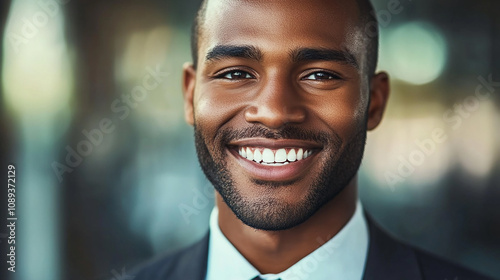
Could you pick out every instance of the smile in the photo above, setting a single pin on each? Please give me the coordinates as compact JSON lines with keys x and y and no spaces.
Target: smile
{"x":275,"y":160}
{"x":274,"y":157}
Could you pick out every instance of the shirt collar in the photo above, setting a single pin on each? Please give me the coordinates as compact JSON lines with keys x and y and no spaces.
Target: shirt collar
{"x":341,"y":257}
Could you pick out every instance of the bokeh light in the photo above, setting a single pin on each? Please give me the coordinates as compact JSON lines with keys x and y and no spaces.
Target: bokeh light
{"x":413,"y":52}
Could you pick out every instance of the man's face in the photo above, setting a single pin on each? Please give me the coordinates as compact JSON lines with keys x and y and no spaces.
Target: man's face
{"x":279,"y":104}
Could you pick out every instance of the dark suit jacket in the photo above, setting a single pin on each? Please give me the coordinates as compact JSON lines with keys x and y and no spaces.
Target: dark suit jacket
{"x":387,"y":259}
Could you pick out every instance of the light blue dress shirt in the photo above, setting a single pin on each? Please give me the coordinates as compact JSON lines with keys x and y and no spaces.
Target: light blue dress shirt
{"x":342,"y":257}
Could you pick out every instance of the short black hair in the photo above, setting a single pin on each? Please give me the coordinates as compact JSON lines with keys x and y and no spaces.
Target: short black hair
{"x":195,"y":31}
{"x":368,"y":23}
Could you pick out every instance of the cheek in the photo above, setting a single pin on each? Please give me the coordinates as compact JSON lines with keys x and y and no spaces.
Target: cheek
{"x":212,"y":109}
{"x":343,"y":110}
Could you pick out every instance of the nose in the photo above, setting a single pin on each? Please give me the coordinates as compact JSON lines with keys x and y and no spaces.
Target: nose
{"x":277,"y":103}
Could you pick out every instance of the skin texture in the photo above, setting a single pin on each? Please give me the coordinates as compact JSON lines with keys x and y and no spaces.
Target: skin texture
{"x":272,"y":96}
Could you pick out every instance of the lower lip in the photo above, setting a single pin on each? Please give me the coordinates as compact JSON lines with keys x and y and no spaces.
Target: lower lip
{"x":279,"y":173}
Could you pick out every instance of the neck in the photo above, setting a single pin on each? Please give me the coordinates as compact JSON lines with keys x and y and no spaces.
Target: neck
{"x":275,"y":251}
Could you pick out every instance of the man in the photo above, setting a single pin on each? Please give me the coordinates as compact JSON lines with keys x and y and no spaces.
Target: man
{"x":281,"y":95}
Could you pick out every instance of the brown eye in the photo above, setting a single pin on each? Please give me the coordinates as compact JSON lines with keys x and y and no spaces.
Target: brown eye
{"x":236,"y":75}
{"x":321,"y":76}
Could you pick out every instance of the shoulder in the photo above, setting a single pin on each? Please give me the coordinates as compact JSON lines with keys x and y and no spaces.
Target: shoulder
{"x":434,"y":267}
{"x":393,"y":259}
{"x":187,"y":263}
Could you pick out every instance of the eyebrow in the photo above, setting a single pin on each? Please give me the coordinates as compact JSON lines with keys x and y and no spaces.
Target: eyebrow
{"x":231,"y":51}
{"x":298,"y":55}
{"x":311,"y":54}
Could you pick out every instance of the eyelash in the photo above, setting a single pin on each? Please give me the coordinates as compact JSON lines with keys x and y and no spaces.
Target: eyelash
{"x":232,"y":71}
{"x":330,"y":75}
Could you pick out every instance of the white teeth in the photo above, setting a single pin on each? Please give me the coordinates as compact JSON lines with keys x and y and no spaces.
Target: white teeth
{"x":275,"y":163}
{"x":275,"y":158}
{"x":257,"y":156}
{"x":292,"y":156}
{"x":249,"y":154}
{"x":280,"y":155}
{"x":268,"y":156}
{"x":308,"y":154}
{"x":300,"y":154}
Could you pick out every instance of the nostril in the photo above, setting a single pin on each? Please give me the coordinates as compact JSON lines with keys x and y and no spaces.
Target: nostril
{"x":274,"y":117}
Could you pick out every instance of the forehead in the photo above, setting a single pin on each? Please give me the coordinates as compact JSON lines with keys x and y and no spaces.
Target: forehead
{"x":282,"y":25}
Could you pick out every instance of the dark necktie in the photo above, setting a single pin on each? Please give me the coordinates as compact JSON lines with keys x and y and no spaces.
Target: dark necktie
{"x":258,"y":278}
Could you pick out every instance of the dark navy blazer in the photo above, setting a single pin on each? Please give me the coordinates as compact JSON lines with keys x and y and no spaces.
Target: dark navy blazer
{"x":387,"y":259}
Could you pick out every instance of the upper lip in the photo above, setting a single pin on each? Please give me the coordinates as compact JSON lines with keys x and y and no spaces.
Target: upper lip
{"x":275,"y":143}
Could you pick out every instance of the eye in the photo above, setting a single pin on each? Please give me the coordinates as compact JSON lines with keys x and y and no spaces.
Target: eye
{"x":318,"y":76}
{"x":235,"y":75}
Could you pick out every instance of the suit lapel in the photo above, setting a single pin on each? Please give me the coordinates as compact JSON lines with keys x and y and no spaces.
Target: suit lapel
{"x":388,"y":259}
{"x":192,"y":264}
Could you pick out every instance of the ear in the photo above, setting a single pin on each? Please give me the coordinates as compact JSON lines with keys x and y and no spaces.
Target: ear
{"x":379,"y":94}
{"x":188,"y":85}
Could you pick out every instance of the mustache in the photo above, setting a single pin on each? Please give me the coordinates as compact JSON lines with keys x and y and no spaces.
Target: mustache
{"x":288,"y":132}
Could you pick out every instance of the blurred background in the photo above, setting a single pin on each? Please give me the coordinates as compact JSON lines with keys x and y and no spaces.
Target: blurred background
{"x":106,"y":171}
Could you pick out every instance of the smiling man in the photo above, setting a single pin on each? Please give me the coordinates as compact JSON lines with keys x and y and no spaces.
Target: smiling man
{"x":281,"y":95}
